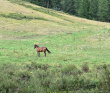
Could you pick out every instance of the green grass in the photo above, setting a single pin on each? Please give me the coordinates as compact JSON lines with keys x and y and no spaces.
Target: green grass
{"x":79,"y":49}
{"x":21,"y":16}
{"x":66,"y":48}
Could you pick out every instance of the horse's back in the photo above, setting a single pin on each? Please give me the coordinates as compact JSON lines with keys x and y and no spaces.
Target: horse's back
{"x":41,"y":49}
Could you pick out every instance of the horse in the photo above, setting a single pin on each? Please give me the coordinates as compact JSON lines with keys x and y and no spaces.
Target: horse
{"x":41,"y":49}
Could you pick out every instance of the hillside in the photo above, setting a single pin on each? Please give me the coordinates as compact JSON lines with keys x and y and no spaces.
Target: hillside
{"x":22,"y":19}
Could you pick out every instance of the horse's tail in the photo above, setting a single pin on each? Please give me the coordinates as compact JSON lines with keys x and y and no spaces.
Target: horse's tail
{"x":48,"y":50}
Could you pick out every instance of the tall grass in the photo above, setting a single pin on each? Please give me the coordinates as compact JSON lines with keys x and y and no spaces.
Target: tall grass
{"x":43,"y":78}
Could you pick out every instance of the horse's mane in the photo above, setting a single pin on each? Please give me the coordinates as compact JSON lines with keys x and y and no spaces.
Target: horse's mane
{"x":36,"y":45}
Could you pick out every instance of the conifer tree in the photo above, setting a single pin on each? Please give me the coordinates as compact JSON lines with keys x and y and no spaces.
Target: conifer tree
{"x":103,"y":10}
{"x":68,"y":6}
{"x":76,"y":6}
{"x":108,"y":10}
{"x":84,"y":9}
{"x":93,"y":9}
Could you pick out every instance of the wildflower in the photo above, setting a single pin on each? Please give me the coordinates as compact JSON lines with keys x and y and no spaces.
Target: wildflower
{"x":17,"y":89}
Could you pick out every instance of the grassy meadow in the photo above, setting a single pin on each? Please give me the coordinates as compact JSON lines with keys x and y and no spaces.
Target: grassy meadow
{"x":80,"y":51}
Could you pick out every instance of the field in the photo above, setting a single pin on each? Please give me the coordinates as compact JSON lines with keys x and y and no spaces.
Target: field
{"x":80,"y":51}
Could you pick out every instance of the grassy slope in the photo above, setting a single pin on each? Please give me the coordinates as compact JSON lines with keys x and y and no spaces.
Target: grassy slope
{"x":70,"y":39}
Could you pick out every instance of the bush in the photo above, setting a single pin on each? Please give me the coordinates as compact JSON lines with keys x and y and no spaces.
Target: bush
{"x":71,"y":70}
{"x":85,"y":67}
{"x":99,"y":67}
{"x":41,"y":78}
{"x":35,"y":65}
{"x":105,"y":83}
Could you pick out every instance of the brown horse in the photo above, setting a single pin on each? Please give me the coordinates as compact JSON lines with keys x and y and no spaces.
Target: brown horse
{"x":41,"y":49}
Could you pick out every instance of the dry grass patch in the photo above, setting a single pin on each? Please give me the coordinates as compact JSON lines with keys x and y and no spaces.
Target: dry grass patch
{"x":82,"y":20}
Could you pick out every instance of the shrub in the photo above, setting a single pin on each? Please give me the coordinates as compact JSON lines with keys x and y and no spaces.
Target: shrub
{"x":40,"y":78}
{"x":85,"y":67}
{"x":71,"y":70}
{"x":99,"y":67}
{"x":105,"y":83}
{"x":35,"y":65}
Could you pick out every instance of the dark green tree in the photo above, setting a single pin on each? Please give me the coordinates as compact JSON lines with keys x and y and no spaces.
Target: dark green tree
{"x":93,"y":9}
{"x":108,"y":10}
{"x":55,"y":4}
{"x":84,"y":9}
{"x":77,"y":6}
{"x":103,"y":10}
{"x":68,"y":6}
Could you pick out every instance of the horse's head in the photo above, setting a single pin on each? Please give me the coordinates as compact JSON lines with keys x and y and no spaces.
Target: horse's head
{"x":35,"y":46}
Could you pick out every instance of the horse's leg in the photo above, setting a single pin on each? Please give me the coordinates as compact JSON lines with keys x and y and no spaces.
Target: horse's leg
{"x":45,"y":54}
{"x":38,"y":53}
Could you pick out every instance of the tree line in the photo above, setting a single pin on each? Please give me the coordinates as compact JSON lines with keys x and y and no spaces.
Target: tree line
{"x":90,"y":9}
